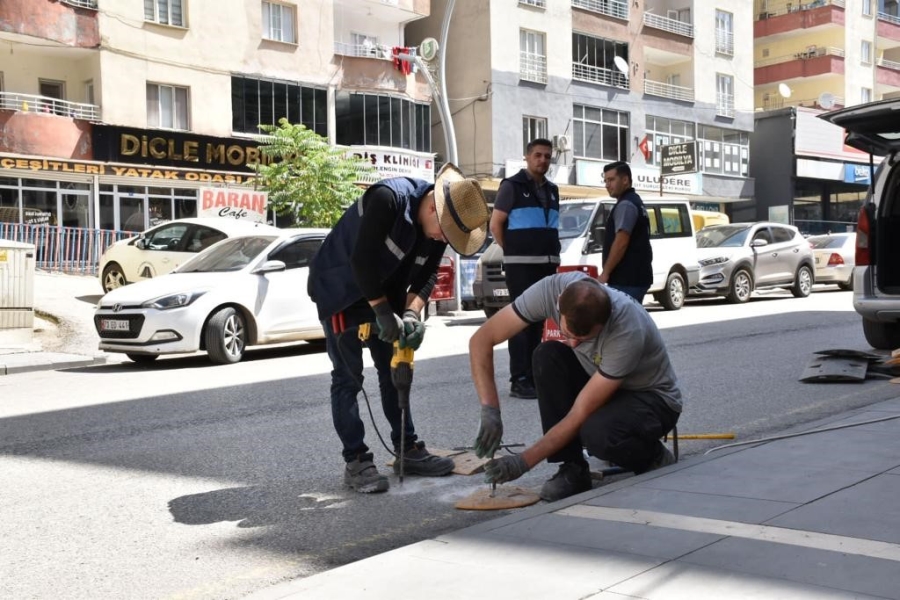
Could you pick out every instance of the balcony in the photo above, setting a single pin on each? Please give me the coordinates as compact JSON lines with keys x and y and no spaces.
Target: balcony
{"x":92,"y":4}
{"x":811,"y":62}
{"x":612,"y":8}
{"x":774,"y":101}
{"x":666,"y":24}
{"x":790,"y":16}
{"x":601,"y":75}
{"x":667,"y":90}
{"x":532,"y":67}
{"x":379,"y":51}
{"x":724,"y":105}
{"x":49,"y":23}
{"x":887,"y":30}
{"x":28,"y":103}
{"x":887,"y":74}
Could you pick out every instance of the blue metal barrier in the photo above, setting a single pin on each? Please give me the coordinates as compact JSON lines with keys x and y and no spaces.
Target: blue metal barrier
{"x":74,"y":250}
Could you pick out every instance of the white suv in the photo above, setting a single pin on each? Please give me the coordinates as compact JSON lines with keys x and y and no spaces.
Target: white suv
{"x":875,"y":128}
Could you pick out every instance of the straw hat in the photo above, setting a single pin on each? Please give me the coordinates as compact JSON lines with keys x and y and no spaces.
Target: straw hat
{"x":461,"y":209}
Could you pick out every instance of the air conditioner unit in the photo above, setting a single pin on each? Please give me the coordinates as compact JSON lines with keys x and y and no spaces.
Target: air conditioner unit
{"x":561,"y":143}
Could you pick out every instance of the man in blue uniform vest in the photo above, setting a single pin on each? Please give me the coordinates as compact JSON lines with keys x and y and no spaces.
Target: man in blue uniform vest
{"x":380,"y":261}
{"x":525,"y":224}
{"x":627,"y":254}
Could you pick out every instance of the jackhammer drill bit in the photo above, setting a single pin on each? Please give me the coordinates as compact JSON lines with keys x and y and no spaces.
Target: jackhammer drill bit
{"x":401,"y":376}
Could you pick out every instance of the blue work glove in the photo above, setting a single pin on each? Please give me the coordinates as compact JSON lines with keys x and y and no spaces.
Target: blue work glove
{"x":389,"y":324}
{"x":489,"y":433}
{"x":505,"y":469}
{"x":413,"y":330}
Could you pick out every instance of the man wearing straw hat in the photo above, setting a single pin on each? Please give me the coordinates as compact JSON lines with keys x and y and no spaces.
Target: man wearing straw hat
{"x":380,"y":262}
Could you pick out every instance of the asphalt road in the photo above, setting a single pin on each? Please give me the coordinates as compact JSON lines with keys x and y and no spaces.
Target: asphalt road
{"x":188,"y":480}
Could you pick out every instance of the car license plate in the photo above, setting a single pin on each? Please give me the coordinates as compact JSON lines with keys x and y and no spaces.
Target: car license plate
{"x":114,"y":324}
{"x":501,"y":292}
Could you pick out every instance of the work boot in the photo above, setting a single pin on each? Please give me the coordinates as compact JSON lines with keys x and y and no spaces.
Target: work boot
{"x":522,"y":388}
{"x":665,"y":458}
{"x":419,"y":461}
{"x":362,"y":475}
{"x":571,"y":478}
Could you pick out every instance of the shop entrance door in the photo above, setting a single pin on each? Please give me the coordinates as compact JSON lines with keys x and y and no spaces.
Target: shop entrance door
{"x":132,"y":207}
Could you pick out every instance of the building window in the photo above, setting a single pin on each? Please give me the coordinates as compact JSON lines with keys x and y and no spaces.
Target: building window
{"x":165,"y":12}
{"x":724,"y":151}
{"x":600,"y":133}
{"x":532,"y":129}
{"x":867,"y":8}
{"x":662,"y":132}
{"x":378,"y":120}
{"x":536,"y":3}
{"x":724,"y":95}
{"x":167,"y":106}
{"x":278,"y":22}
{"x":866,"y":52}
{"x":724,"y":33}
{"x":256,"y":102}
{"x":532,"y":56}
{"x":865,"y":95}
{"x":594,"y":60}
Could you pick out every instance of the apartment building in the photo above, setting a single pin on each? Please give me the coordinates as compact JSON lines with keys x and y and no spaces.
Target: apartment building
{"x":605,"y":80}
{"x":114,"y":112}
{"x":811,"y":56}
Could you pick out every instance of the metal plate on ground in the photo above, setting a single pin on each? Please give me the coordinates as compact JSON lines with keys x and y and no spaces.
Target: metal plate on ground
{"x":845,"y":353}
{"x":505,"y":496}
{"x":826,"y":369}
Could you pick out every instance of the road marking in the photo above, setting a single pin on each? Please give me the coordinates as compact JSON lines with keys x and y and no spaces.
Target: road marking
{"x":766,"y":533}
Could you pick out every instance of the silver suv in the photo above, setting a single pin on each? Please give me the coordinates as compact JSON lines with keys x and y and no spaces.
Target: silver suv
{"x":875,"y":128}
{"x":738,"y":258}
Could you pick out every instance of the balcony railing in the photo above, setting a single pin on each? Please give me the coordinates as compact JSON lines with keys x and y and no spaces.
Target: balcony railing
{"x":725,"y":42}
{"x":536,"y":3}
{"x":895,"y":19}
{"x":724,"y":105}
{"x":612,"y":8}
{"x":667,"y":90}
{"x":82,"y":3}
{"x":810,"y":52}
{"x":888,"y":64}
{"x":774,"y":101}
{"x":532,"y":67}
{"x":667,"y":24}
{"x":47,"y":105}
{"x":601,"y":75}
{"x":792,"y":7}
{"x":379,"y":51}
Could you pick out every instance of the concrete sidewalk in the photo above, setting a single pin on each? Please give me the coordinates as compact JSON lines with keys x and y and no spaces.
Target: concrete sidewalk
{"x":811,"y":516}
{"x":64,"y":335}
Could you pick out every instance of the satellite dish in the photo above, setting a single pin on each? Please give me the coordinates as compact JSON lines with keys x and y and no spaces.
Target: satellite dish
{"x":826,"y":100}
{"x":621,"y":64}
{"x":784,"y":90}
{"x":428,"y":48}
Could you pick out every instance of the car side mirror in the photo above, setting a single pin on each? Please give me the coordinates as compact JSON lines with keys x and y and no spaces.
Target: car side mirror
{"x":595,"y":241}
{"x":141,"y":243}
{"x":758,"y":243}
{"x":270,"y":266}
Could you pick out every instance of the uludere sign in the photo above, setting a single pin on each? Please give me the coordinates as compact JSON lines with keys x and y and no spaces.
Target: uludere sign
{"x":678,"y":159}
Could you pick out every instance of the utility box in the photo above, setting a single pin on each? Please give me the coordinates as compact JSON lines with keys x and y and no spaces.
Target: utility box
{"x":16,"y":293}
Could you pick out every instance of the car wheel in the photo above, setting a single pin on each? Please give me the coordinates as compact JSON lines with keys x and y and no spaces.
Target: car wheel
{"x":113,"y":277}
{"x":226,"y":336}
{"x":672,"y":298}
{"x":882,"y":336}
{"x":803,"y":282}
{"x":142,"y":359}
{"x":490,"y":311}
{"x":847,"y":286}
{"x":741,"y":287}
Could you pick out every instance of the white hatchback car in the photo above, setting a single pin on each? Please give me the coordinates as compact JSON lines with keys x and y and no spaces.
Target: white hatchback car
{"x":162,"y":248}
{"x":243,"y":291}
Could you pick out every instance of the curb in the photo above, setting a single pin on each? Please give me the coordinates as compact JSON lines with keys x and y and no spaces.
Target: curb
{"x":40,"y":361}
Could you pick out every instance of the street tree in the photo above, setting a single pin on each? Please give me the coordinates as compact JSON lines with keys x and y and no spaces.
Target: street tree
{"x":308,"y":179}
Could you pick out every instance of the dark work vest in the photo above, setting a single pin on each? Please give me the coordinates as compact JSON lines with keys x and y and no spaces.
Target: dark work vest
{"x":635,"y":268}
{"x":532,"y":234}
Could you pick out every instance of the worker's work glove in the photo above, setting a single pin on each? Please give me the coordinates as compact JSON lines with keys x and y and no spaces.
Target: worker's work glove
{"x":489,"y":433}
{"x":413,"y":330}
{"x":389,"y":324}
{"x":506,"y":468}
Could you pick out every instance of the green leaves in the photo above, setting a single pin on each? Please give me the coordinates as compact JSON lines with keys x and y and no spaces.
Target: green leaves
{"x":308,"y":180}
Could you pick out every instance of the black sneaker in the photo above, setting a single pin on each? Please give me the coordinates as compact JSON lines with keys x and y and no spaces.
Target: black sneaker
{"x":522,"y":389}
{"x":571,"y":478}
{"x":665,"y":459}
{"x":362,"y":475}
{"x":419,"y":461}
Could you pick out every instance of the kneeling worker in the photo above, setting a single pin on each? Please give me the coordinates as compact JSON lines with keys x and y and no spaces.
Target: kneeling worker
{"x":609,"y":387}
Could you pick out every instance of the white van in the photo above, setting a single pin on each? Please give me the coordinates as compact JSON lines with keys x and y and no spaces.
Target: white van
{"x":582,"y":225}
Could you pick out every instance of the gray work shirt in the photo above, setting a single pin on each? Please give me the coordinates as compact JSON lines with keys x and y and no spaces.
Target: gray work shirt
{"x":629,"y":347}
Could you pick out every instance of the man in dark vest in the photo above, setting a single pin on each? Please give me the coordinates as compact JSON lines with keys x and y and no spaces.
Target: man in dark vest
{"x":380,"y":261}
{"x":525,"y":224}
{"x":627,"y":255}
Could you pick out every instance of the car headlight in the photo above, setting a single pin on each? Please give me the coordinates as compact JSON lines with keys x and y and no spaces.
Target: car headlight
{"x":706,"y":262}
{"x":172,"y":301}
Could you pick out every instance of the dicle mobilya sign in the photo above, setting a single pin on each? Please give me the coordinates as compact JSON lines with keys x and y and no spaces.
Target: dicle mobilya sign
{"x":678,"y":159}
